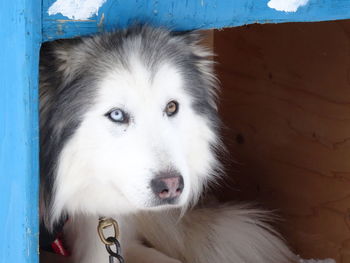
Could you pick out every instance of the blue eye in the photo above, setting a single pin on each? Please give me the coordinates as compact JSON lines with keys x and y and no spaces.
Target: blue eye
{"x":117,"y":115}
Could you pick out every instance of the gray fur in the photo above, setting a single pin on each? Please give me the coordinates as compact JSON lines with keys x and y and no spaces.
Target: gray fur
{"x":69,"y":70}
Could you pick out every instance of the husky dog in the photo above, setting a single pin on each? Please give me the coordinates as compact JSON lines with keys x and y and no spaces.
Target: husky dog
{"x":129,"y":130}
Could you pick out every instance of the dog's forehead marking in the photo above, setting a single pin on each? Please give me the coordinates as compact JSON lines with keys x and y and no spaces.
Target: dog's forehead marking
{"x":141,"y":84}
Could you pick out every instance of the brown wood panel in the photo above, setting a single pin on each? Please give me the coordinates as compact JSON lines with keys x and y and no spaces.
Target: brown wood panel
{"x":286,"y":105}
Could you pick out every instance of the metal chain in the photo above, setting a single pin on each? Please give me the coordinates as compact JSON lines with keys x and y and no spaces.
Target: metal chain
{"x":116,"y":253}
{"x":110,"y":241}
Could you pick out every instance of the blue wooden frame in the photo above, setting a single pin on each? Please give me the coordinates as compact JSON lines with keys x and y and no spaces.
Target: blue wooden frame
{"x":20,"y":40}
{"x":26,"y":23}
{"x":188,"y":15}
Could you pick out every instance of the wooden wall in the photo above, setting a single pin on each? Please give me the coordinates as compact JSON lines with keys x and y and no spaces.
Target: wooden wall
{"x":286,"y":105}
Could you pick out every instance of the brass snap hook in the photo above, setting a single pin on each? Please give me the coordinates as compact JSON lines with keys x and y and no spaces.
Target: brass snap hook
{"x":105,"y":223}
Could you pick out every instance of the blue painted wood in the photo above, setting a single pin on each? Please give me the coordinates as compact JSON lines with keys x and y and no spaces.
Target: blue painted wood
{"x":20,"y":36}
{"x":188,"y":14}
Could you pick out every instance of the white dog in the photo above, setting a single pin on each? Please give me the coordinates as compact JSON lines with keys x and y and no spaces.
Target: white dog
{"x":129,"y":130}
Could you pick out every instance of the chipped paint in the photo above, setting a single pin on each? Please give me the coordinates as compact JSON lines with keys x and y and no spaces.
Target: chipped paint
{"x":100,"y":24}
{"x":72,"y":20}
{"x":286,"y":5}
{"x":60,"y":29}
{"x":76,"y":9}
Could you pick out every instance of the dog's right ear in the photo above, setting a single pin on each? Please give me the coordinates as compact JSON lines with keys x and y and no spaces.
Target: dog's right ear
{"x":62,"y":57}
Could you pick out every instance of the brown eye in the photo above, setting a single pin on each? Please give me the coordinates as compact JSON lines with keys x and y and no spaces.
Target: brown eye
{"x":172,"y":108}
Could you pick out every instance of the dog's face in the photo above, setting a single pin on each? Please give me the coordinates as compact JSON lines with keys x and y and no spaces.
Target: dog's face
{"x":142,"y":136}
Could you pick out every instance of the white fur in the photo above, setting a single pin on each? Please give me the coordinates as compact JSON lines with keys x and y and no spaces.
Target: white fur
{"x":116,"y":186}
{"x":100,"y":158}
{"x":105,"y":169}
{"x":204,"y":235}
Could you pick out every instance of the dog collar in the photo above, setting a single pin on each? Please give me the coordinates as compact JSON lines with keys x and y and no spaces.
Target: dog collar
{"x":53,"y":241}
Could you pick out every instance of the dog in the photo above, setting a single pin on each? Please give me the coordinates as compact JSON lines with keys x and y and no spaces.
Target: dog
{"x":129,"y":129}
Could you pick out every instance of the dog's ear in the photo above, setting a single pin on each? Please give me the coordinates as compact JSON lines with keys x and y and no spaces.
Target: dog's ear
{"x":189,"y":36}
{"x":195,"y":39}
{"x":63,"y":57}
{"x":202,"y":57}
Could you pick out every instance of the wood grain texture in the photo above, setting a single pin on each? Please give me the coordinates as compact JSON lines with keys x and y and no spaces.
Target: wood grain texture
{"x":20,"y":36}
{"x":187,"y":15}
{"x":286,"y":102}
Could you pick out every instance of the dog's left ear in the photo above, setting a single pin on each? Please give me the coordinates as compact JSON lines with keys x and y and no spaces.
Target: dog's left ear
{"x":195,"y":40}
{"x":202,"y":57}
{"x":190,"y":36}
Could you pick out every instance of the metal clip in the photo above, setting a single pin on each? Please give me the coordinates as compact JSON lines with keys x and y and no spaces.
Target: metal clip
{"x":105,"y":223}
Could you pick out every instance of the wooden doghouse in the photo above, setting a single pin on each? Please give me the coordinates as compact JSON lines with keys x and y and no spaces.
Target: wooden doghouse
{"x":285,"y":103}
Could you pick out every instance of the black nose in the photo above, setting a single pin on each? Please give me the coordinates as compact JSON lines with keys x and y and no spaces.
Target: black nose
{"x":168,"y":186}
